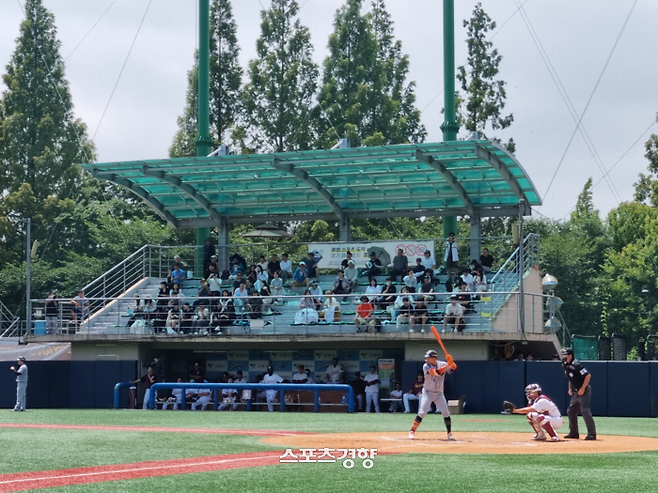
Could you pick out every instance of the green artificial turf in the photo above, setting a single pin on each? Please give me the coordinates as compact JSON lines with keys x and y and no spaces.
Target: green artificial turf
{"x":43,"y":449}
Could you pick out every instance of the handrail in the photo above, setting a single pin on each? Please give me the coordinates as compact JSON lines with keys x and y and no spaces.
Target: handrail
{"x":9,"y":323}
{"x":282,"y":387}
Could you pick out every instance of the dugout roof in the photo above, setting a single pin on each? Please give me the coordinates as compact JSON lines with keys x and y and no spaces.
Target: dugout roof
{"x":448,"y":179}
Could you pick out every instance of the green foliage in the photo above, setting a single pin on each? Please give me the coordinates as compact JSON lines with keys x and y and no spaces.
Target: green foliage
{"x":282,"y":82}
{"x":364,"y":94}
{"x":225,"y":82}
{"x":484,"y":95}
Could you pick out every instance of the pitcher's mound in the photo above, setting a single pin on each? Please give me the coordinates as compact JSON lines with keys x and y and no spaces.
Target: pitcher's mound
{"x":466,"y":443}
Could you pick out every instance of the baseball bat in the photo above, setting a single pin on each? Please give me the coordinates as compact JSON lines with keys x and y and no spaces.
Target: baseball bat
{"x":438,"y":338}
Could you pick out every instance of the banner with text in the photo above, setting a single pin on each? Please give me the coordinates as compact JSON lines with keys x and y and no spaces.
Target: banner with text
{"x":332,"y":254}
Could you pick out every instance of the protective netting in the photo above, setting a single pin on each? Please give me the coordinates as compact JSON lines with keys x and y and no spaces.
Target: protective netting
{"x":585,"y":348}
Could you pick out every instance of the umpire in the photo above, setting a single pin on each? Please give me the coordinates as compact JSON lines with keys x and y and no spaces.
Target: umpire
{"x":581,"y":395}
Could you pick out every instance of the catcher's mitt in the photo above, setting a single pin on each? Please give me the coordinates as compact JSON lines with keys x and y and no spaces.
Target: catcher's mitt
{"x":508,"y":407}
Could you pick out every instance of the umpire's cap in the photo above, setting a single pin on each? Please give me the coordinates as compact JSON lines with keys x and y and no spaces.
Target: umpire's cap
{"x":566,"y":350}
{"x":430,"y":353}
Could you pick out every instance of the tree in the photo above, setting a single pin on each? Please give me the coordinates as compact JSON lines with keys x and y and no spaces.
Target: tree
{"x":282,"y":82}
{"x":40,"y":140}
{"x":484,"y":96}
{"x":225,"y":82}
{"x":364,"y":94}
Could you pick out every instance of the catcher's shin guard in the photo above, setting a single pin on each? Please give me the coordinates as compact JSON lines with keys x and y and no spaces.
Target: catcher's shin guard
{"x":549,"y":429}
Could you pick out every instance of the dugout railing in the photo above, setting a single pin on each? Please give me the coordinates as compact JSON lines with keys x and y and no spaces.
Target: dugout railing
{"x":281,"y":388}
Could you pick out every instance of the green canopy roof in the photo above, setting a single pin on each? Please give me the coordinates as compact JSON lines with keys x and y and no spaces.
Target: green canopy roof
{"x":452,"y":178}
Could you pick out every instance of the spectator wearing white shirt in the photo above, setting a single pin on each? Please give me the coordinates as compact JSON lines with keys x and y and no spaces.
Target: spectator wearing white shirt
{"x":351,"y":274}
{"x":286,"y":267}
{"x":373,"y":292}
{"x":454,"y":314}
{"x":410,"y":281}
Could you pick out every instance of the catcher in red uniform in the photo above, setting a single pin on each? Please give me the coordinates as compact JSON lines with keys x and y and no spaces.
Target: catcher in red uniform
{"x":543,"y":415}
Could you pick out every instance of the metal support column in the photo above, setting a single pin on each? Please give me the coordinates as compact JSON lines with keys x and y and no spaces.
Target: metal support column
{"x":476,"y":233}
{"x":223,"y":252}
{"x":344,"y":229}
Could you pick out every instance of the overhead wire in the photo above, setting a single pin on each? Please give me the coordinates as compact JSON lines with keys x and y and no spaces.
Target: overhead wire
{"x":596,"y":85}
{"x":125,"y":62}
{"x":90,"y":30}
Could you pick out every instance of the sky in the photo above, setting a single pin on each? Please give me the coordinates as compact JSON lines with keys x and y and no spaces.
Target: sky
{"x":598,"y":57}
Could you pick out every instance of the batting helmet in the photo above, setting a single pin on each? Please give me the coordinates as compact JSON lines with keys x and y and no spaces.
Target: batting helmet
{"x":532,"y":388}
{"x":430,"y":353}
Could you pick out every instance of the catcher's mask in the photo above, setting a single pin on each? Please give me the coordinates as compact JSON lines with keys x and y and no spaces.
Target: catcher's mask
{"x":531,"y":389}
{"x":430,"y":353}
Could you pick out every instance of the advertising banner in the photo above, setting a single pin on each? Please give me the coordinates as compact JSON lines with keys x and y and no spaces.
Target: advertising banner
{"x":386,"y":372}
{"x":331,"y":255}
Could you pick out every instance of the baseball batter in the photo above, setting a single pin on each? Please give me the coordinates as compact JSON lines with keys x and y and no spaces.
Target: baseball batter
{"x":434,"y":372}
{"x":543,"y":415}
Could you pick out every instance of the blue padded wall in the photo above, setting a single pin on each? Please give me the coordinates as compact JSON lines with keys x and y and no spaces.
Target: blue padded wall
{"x":653,"y":388}
{"x":630,"y":379}
{"x":550,"y":376}
{"x":599,"y":383}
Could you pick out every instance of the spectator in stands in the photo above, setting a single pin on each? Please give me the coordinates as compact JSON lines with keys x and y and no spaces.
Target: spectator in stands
{"x":372,"y":389}
{"x":405,"y":314}
{"x":255,"y":304}
{"x":399,"y":301}
{"x":389,"y":293}
{"x":519,"y":356}
{"x":261,"y":277}
{"x":197,"y":373}
{"x":286,"y":268}
{"x":317,"y":294}
{"x":147,"y":379}
{"x":229,"y":398}
{"x":359,"y":387}
{"x":474,"y":266}
{"x":213,"y":267}
{"x":300,"y":376}
{"x":400,"y":265}
{"x":427,"y":290}
{"x":52,"y":313}
{"x":301,"y":277}
{"x":163,"y":294}
{"x":266,"y":297}
{"x":464,"y":298}
{"x":80,"y":307}
{"x":201,"y":322}
{"x":136,"y":312}
{"x":252,"y":277}
{"x":307,"y":313}
{"x":214,"y":285}
{"x":454,"y":314}
{"x":351,"y":274}
{"x":208,"y":253}
{"x":468,"y":279}
{"x":419,"y":270}
{"x":224,"y":313}
{"x":451,"y":256}
{"x":178,"y":275}
{"x":273,"y":266}
{"x":480,"y":281}
{"x":486,"y":260}
{"x":203,"y":294}
{"x":374,"y":292}
{"x":276,"y":288}
{"x":149,"y":309}
{"x":341,"y":285}
{"x":331,"y":308}
{"x":346,"y":260}
{"x":410,"y":281}
{"x":420,"y":315}
{"x":428,"y":261}
{"x":415,"y":393}
{"x":175,"y":294}
{"x":396,"y":406}
{"x":311,"y":266}
{"x":262,"y":263}
{"x":373,"y":266}
{"x":177,"y":262}
{"x":364,"y":315}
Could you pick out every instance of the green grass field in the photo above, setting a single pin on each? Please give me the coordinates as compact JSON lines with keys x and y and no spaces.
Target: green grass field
{"x":45,"y":449}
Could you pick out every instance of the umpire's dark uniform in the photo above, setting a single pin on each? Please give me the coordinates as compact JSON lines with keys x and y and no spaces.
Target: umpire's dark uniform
{"x":578,"y":377}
